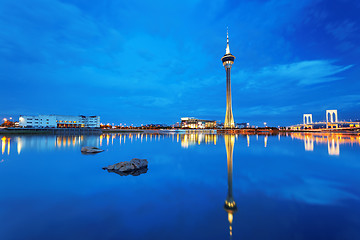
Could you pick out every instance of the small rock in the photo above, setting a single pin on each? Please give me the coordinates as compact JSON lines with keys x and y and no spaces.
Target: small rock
{"x":134,"y":167}
{"x":91,"y":150}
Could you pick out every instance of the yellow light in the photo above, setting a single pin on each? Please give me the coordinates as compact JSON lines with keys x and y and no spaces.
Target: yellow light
{"x":19,"y":145}
{"x":3,"y":140}
{"x":8,"y":152}
{"x":230,"y":218}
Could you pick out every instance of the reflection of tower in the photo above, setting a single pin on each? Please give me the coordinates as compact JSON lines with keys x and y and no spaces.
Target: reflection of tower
{"x":230,"y":206}
{"x":228,"y":60}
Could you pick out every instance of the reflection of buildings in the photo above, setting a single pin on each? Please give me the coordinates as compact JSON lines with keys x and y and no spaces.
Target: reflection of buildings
{"x":230,"y":206}
{"x":186,"y":139}
{"x":197,"y":138}
{"x":333,"y":140}
{"x":46,"y":142}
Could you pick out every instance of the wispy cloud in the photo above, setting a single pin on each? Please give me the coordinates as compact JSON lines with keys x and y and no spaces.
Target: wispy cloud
{"x":302,"y":74}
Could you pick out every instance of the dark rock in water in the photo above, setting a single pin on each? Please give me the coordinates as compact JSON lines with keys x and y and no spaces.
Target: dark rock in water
{"x":90,"y":150}
{"x":134,"y":167}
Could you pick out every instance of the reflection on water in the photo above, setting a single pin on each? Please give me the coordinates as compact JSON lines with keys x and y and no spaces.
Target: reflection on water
{"x":278,"y":196}
{"x":230,"y":206}
{"x":333,"y":140}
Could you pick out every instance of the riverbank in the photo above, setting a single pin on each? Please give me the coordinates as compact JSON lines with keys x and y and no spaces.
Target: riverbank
{"x":51,"y":131}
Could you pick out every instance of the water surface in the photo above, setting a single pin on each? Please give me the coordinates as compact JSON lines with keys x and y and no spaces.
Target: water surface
{"x":198,"y":186}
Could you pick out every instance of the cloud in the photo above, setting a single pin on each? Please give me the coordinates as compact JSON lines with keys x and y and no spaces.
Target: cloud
{"x":304,"y":73}
{"x":342,"y":30}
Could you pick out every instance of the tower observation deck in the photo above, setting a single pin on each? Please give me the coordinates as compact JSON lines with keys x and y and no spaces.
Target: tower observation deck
{"x":227,"y":60}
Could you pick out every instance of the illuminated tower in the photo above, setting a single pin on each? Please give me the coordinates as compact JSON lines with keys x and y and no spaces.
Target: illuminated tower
{"x":230,"y":206}
{"x":228,"y":60}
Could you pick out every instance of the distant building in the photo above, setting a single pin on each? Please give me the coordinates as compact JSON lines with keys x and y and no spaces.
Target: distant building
{"x":193,"y":123}
{"x":242,"y":125}
{"x":59,"y":121}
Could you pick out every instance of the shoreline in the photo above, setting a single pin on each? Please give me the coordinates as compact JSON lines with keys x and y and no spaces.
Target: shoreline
{"x":97,"y":131}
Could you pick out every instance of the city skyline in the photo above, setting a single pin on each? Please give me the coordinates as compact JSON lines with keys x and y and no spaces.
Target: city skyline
{"x":97,"y":58}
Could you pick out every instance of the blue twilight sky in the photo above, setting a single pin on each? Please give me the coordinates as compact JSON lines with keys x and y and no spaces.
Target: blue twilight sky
{"x":156,"y":61}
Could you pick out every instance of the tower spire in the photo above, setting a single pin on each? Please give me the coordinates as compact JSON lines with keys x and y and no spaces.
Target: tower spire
{"x":227,"y":46}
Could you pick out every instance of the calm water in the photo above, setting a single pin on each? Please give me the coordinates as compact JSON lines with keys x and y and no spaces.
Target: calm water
{"x":275,"y":187}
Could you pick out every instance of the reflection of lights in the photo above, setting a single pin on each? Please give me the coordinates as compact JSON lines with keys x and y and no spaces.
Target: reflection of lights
{"x":3,"y":142}
{"x":230,"y":205}
{"x":19,"y":145}
{"x":58,"y":141}
{"x":309,"y":143}
{"x":265,"y":140}
{"x":197,"y":138}
{"x":333,"y":140}
{"x":107,"y":139}
{"x":101,"y":138}
{"x":248,"y":140}
{"x":333,"y":147}
{"x":8,"y":145}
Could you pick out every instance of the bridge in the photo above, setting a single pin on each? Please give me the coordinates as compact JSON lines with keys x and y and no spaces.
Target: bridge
{"x":331,"y":124}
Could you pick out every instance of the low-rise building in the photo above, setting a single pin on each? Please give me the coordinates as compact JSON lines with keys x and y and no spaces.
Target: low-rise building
{"x":194,"y":123}
{"x":59,"y":121}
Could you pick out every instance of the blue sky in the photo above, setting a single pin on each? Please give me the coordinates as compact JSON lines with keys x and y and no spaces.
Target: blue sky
{"x":156,"y":61}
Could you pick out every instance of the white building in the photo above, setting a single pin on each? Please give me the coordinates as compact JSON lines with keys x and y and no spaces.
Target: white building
{"x":59,"y":121}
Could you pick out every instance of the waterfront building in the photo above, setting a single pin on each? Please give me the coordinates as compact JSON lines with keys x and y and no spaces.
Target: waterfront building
{"x":227,"y":60}
{"x":59,"y":121}
{"x":194,"y":123}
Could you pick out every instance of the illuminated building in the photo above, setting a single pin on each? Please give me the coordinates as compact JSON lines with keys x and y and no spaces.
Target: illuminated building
{"x":190,"y":122}
{"x":59,"y":121}
{"x":230,"y":205}
{"x":228,"y":60}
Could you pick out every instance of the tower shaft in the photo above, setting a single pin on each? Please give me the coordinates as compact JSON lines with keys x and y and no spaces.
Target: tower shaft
{"x":229,"y":118}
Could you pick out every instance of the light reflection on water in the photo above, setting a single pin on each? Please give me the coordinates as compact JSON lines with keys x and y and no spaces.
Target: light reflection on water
{"x":333,"y":141}
{"x":283,"y":169}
